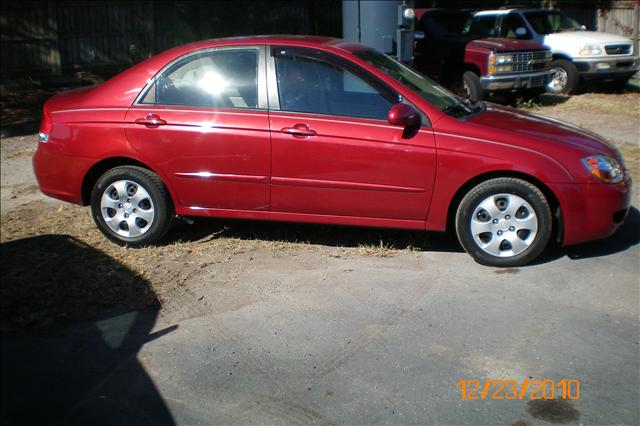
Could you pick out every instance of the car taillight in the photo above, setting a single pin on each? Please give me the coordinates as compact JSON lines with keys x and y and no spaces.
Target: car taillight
{"x":45,"y":126}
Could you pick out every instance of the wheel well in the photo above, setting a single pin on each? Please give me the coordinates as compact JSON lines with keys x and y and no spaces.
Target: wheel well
{"x":473,"y":68}
{"x":561,"y":56}
{"x":102,"y":167}
{"x":554,"y":204}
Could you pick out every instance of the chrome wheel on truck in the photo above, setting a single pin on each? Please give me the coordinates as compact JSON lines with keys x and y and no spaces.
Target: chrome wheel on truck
{"x":564,"y":77}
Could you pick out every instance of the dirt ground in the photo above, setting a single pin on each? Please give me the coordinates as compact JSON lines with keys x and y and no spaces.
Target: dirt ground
{"x":208,"y":248}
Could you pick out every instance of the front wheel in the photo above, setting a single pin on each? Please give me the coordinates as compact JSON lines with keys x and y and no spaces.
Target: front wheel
{"x":131,"y":206}
{"x":504,"y":222}
{"x":472,"y":87}
{"x":564,"y":77}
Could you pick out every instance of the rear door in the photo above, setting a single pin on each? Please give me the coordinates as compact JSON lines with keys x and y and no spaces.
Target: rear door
{"x":333,"y":150}
{"x":204,"y":122}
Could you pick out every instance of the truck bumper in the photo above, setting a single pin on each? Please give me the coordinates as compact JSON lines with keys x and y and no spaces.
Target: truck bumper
{"x":604,"y":67}
{"x":532,"y":80}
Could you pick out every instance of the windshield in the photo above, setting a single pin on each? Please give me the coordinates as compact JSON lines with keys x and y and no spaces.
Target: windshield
{"x":550,"y":21}
{"x":423,"y":86}
{"x":444,"y":23}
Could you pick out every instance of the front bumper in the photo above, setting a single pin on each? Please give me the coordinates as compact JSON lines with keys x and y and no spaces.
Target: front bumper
{"x":592,"y":211}
{"x":607,"y":66}
{"x":531,"y":80}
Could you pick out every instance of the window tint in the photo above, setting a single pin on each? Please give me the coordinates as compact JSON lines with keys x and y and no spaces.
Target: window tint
{"x":320,"y":84}
{"x":509,"y":24}
{"x":482,"y":26}
{"x":224,"y":78}
{"x":551,"y":21}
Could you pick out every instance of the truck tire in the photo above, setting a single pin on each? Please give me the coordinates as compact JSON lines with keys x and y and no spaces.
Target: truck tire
{"x":564,"y":77}
{"x":472,"y":88}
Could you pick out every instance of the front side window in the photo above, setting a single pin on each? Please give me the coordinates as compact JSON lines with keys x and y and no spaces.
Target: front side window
{"x":481,"y":26}
{"x":319,"y":83}
{"x":218,"y":79}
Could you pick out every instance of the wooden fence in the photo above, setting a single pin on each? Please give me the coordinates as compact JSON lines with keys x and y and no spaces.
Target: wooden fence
{"x":44,"y":37}
{"x":53,"y":37}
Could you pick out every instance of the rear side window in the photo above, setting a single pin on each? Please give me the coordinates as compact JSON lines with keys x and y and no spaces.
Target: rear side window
{"x":321,"y":84}
{"x":217,"y":79}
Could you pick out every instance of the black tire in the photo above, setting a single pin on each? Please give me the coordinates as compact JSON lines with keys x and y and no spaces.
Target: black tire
{"x":570,"y":80}
{"x":149,"y":200}
{"x":472,"y":86}
{"x":516,"y":189}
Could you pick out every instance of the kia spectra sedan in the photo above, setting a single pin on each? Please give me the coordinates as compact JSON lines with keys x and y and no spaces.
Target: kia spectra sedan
{"x":321,"y":130}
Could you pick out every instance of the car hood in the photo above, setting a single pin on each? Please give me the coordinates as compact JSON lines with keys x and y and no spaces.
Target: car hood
{"x":584,"y":37}
{"x":537,"y":132}
{"x":498,"y":44}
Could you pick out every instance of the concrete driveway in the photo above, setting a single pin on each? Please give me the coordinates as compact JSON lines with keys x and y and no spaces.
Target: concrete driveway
{"x":335,"y":339}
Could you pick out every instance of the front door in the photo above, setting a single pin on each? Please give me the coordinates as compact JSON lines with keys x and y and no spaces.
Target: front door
{"x":204,"y":122}
{"x":333,"y":150}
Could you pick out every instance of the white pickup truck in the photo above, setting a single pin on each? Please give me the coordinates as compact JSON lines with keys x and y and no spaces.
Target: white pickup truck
{"x":577,"y":54}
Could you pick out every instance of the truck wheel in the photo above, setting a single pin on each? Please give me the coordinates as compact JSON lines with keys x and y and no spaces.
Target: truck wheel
{"x":471,"y":86}
{"x":564,"y":77}
{"x":504,"y":222}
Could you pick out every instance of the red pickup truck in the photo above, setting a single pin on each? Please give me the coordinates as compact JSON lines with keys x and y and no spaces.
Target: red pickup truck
{"x":462,"y":54}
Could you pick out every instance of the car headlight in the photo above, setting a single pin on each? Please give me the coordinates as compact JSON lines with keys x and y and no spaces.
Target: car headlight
{"x":591,"y":49}
{"x":603,"y":168}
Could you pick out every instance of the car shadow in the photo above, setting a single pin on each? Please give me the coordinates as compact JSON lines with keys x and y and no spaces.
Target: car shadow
{"x":204,"y":229}
{"x":73,"y":320}
{"x":327,"y":235}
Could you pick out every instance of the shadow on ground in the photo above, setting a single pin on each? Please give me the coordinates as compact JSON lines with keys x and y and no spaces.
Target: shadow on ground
{"x":326,"y":235}
{"x":628,"y":235}
{"x":73,"y":320}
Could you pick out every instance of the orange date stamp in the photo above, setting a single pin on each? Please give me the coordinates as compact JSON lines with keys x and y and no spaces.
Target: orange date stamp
{"x":473,"y":389}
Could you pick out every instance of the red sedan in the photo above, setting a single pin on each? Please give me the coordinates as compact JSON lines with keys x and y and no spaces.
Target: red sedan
{"x":321,"y":130}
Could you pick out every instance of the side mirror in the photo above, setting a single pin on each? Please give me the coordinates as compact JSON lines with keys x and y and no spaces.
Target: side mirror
{"x":583,"y":27}
{"x":403,"y":115}
{"x":521,"y":31}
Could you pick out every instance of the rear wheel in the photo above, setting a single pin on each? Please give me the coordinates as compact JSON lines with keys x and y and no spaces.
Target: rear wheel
{"x":504,"y":222}
{"x":131,"y":206}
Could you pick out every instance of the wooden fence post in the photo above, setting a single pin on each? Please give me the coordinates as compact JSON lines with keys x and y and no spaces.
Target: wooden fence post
{"x":54,"y":39}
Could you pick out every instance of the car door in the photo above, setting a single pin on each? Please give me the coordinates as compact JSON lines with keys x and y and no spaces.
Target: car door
{"x":333,"y":150}
{"x":204,"y":122}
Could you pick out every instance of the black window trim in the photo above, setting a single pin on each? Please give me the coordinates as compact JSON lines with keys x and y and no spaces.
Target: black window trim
{"x":273,"y":95}
{"x":261,"y":76}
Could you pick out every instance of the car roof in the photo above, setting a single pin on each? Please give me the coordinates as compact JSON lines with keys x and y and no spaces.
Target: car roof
{"x":298,"y":40}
